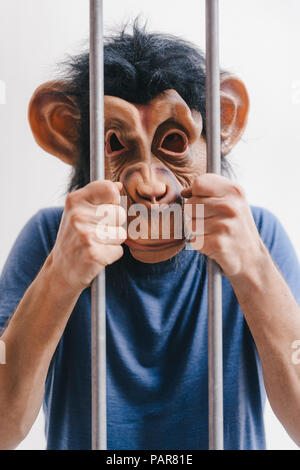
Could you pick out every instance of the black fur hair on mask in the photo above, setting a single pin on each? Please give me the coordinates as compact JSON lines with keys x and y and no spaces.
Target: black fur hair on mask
{"x":137,"y":67}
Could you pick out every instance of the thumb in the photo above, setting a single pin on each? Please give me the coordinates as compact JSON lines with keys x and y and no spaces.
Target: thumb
{"x":119,"y":185}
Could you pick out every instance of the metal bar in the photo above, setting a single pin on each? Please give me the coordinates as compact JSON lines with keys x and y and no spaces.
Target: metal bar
{"x":98,"y":311}
{"x":215,"y":330}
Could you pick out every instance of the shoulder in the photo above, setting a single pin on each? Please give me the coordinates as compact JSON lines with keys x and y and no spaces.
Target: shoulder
{"x":41,"y":229}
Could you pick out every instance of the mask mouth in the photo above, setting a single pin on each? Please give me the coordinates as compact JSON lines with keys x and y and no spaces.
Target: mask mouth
{"x":158,"y":246}
{"x":157,"y":231}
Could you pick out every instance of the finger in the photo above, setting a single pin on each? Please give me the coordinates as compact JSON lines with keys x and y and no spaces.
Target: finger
{"x":101,"y":192}
{"x":207,"y":240}
{"x":209,"y":207}
{"x":112,"y":254}
{"x":103,"y":233}
{"x":208,"y":185}
{"x":110,"y":214}
{"x":110,"y":235}
{"x":108,"y":256}
{"x":212,"y":225}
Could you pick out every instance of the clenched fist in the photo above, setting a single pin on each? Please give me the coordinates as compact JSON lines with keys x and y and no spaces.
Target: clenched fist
{"x":227,"y":232}
{"x":90,"y":233}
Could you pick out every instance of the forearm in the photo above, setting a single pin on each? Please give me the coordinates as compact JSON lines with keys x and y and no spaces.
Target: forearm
{"x":30,"y":339}
{"x":273,"y":317}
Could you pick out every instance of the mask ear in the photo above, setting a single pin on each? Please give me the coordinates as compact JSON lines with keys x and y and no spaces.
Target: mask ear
{"x":54,"y":119}
{"x":234,"y":111}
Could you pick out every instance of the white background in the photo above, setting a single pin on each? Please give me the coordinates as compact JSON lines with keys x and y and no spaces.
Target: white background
{"x":259,"y":42}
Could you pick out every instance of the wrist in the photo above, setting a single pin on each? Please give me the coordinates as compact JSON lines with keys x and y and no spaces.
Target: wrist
{"x":54,"y":277}
{"x":254,"y":273}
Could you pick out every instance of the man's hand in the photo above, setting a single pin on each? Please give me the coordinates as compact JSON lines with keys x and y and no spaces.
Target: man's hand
{"x":90,"y":234}
{"x":230,"y":234}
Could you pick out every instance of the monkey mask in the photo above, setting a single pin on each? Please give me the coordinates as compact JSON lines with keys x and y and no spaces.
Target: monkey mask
{"x":155,"y":150}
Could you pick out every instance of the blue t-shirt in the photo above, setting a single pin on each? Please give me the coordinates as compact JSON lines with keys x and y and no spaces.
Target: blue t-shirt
{"x":156,"y":347}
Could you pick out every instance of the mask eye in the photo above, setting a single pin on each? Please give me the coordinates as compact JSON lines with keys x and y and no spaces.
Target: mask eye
{"x":174,"y":142}
{"x":113,"y":144}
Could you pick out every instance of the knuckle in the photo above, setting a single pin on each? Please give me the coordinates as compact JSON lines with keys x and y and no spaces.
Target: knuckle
{"x":237,"y":190}
{"x":225,"y":227}
{"x":216,"y":244}
{"x":238,"y":206}
{"x":86,"y":238}
{"x":225,"y":208}
{"x":91,"y":255}
{"x":75,"y":219}
{"x":111,"y":254}
{"x":197,"y":184}
{"x":232,"y":206}
{"x":110,"y":187}
{"x":118,"y":251}
{"x":71,"y":200}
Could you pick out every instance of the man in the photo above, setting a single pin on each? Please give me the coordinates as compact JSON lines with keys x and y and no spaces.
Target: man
{"x":156,"y":290}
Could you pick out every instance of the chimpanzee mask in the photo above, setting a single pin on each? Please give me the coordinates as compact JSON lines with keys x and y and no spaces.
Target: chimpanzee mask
{"x":155,"y":150}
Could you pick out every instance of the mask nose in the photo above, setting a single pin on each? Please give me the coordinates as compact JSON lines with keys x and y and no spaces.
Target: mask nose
{"x":152,"y":192}
{"x":150,"y":184}
{"x":150,"y":189}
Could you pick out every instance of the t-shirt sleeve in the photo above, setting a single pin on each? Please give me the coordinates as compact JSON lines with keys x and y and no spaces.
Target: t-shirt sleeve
{"x":24,"y":262}
{"x":280,"y":247}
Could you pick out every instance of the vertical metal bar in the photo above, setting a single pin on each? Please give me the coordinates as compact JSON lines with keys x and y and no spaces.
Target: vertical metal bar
{"x":98,"y":324}
{"x":215,"y":330}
